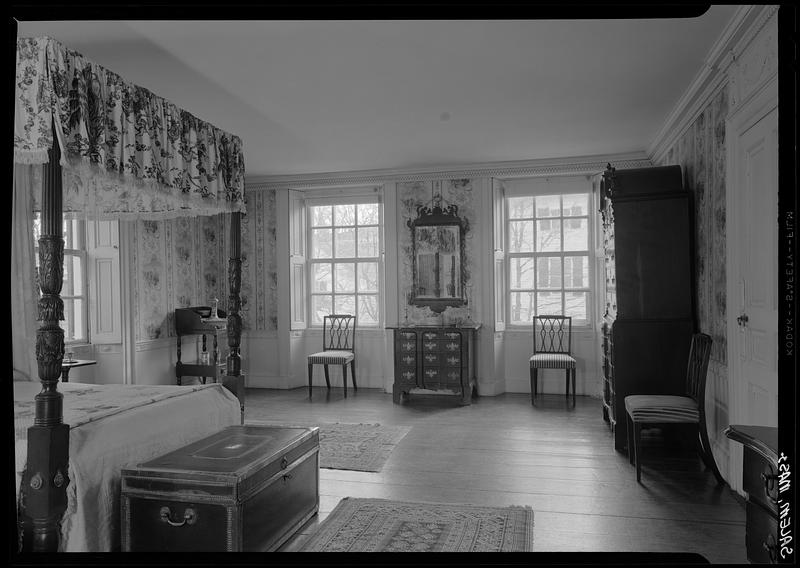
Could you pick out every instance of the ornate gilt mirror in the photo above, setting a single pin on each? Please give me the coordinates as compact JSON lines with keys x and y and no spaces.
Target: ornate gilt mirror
{"x":437,"y":237}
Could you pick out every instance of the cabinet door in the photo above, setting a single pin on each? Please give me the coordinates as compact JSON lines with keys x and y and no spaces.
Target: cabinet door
{"x":652,"y":257}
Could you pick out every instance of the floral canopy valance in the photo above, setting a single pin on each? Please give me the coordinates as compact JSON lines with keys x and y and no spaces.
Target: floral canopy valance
{"x":125,"y":152}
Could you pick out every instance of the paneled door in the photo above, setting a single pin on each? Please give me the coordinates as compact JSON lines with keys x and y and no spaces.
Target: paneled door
{"x":755,"y":306}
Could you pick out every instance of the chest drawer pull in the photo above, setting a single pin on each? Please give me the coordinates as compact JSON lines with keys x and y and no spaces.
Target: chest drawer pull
{"x":189,"y":517}
{"x":284,"y":462}
{"x":769,"y":480}
{"x":772,"y":549}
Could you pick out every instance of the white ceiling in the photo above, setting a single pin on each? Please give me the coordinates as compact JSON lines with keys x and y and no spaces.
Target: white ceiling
{"x":332,"y":96}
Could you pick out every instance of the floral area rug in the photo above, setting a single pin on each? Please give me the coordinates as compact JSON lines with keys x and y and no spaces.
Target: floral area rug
{"x":379,"y":525}
{"x":357,"y":447}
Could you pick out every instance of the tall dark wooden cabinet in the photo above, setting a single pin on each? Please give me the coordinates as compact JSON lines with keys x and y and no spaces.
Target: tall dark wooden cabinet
{"x":649,"y":311}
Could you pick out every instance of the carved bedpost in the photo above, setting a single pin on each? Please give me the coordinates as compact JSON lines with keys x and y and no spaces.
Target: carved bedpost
{"x":233,"y":378}
{"x":43,"y":493}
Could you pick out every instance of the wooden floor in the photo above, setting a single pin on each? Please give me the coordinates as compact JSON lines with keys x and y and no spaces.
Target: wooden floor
{"x":556,"y":458}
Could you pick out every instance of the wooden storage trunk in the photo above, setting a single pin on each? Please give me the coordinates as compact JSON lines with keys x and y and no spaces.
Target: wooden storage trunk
{"x":245,"y":488}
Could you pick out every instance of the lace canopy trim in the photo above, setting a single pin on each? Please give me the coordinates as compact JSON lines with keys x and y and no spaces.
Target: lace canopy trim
{"x":126,"y":152}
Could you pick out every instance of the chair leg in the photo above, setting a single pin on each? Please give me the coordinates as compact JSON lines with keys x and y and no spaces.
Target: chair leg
{"x":574,"y":372}
{"x":310,"y":374}
{"x":567,"y":387}
{"x":533,"y":385}
{"x":705,"y":451}
{"x":637,"y":449}
{"x":353,"y":373}
{"x":629,"y":429}
{"x":327,"y":377}
{"x":344,"y":378}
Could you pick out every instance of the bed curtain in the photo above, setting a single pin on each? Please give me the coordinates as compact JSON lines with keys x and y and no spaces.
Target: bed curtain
{"x":126,"y":153}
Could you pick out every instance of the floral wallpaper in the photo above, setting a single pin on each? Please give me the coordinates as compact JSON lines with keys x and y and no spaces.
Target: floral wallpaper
{"x":700,"y":152}
{"x":184,"y":262}
{"x":410,"y":195}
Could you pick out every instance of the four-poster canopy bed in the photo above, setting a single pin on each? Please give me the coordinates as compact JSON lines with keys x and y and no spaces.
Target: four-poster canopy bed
{"x":109,"y":149}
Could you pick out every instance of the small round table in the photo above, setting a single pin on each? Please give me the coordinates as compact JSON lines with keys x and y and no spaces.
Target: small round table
{"x":67,"y":365}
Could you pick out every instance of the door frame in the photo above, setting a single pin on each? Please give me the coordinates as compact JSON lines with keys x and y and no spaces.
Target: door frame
{"x":737,"y":123}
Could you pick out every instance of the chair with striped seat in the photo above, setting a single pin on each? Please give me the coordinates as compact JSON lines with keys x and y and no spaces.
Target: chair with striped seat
{"x":338,"y":348}
{"x":654,"y":410}
{"x":552,"y":349}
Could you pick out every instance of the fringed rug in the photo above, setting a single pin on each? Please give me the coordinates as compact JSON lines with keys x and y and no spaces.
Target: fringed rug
{"x":378,"y":525}
{"x":357,"y":447}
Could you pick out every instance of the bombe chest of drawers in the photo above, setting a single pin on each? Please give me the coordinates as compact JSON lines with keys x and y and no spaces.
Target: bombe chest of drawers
{"x":434,"y":358}
{"x":761,"y":482}
{"x":245,"y":488}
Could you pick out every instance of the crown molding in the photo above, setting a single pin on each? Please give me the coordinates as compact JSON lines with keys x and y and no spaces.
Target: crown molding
{"x":738,"y":34}
{"x":521,"y":168}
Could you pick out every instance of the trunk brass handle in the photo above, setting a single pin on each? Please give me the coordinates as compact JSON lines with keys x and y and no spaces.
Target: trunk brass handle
{"x":189,"y":517}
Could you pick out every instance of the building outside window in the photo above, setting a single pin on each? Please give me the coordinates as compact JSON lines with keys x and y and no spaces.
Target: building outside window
{"x":74,"y":287}
{"x":548,"y":257}
{"x":344,"y":257}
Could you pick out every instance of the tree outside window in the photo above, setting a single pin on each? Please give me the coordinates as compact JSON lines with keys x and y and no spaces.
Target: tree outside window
{"x":548,"y":257}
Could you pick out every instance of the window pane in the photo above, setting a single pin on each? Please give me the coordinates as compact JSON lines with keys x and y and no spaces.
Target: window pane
{"x":77,"y":274}
{"x":345,"y":280}
{"x":321,"y":279}
{"x":66,"y":283}
{"x":73,"y":324}
{"x":321,"y":215}
{"x":577,"y":204}
{"x":575,"y":305}
{"x":548,"y":235}
{"x":520,"y":207}
{"x":548,"y":206}
{"x":576,"y":234}
{"x":576,"y":272}
{"x":344,"y":214}
{"x":521,"y":307}
{"x":367,"y":310}
{"x":320,"y":307}
{"x":367,"y":276}
{"x":548,"y":272}
{"x":345,"y":304}
{"x":520,"y":236}
{"x":345,"y":243}
{"x":321,"y":243}
{"x":37,"y":226}
{"x":368,"y":214}
{"x":548,"y":303}
{"x":522,"y":273}
{"x":367,"y":242}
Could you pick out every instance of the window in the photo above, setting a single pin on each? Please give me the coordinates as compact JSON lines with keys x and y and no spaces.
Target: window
{"x":73,"y":289}
{"x":548,"y":257}
{"x":344,"y":260}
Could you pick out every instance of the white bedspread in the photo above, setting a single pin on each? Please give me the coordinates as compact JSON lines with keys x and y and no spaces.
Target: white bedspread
{"x":113,"y":427}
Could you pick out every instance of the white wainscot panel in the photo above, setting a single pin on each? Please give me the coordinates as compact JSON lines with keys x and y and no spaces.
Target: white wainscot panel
{"x":518,"y":347}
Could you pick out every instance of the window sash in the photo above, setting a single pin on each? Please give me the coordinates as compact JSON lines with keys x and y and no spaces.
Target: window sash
{"x":358,"y":295}
{"x":534,"y":218}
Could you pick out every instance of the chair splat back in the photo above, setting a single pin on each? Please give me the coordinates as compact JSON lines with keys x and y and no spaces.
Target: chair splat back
{"x":338,"y":332}
{"x":552,"y":334}
{"x":699,"y":354}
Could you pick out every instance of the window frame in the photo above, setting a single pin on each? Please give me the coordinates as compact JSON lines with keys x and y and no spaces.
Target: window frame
{"x":79,"y":229}
{"x":355,"y":198}
{"x":535,"y":255}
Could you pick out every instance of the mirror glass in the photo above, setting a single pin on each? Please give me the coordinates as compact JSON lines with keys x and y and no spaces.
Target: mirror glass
{"x":438,"y":248}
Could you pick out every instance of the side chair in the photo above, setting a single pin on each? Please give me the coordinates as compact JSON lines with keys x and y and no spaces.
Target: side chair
{"x":338,"y":348}
{"x":552,"y":349}
{"x":658,"y":410}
